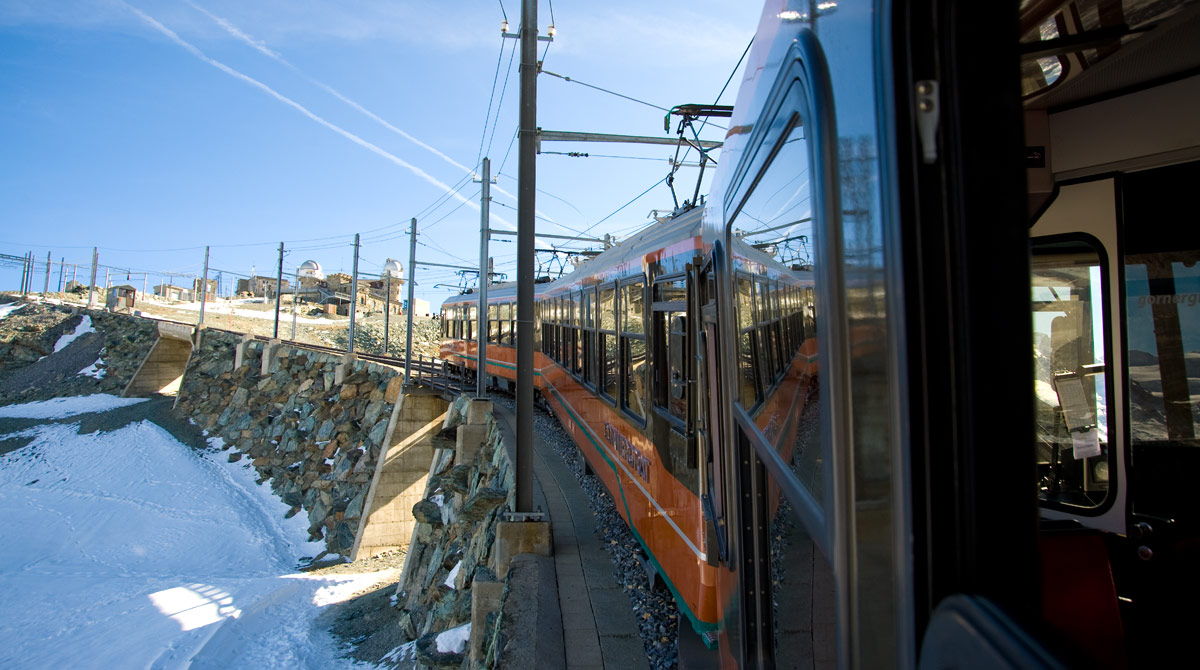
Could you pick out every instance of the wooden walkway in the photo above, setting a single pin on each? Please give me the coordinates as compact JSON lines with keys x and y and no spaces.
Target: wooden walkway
{"x":599,"y":628}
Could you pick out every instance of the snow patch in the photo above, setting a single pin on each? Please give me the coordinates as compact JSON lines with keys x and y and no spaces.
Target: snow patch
{"x":405,"y":652}
{"x":453,"y":573}
{"x":454,"y":640}
{"x":151,"y":554}
{"x":94,"y":370}
{"x":61,"y":408}
{"x":11,"y":307}
{"x":84,"y":327}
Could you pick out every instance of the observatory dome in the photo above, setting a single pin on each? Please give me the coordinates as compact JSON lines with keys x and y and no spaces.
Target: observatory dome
{"x":394,"y":268}
{"x":311,"y":269}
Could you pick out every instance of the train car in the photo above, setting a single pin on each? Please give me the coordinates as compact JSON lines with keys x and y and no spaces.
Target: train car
{"x":616,"y":361}
{"x":985,"y":462}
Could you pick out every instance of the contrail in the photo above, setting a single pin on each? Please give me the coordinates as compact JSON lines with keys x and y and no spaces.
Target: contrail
{"x":262,"y":48}
{"x":302,"y":109}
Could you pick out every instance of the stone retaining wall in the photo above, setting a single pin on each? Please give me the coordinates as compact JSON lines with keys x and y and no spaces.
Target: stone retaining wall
{"x":316,"y":440}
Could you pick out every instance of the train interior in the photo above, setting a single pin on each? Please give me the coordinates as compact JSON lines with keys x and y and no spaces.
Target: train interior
{"x":1111,"y":95}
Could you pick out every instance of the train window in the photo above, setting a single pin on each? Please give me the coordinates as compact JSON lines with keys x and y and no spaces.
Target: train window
{"x":748,"y":392}
{"x":588,"y":341}
{"x":1070,"y":374}
{"x":776,"y":216}
{"x":505,"y":323}
{"x":493,"y":323}
{"x":607,"y":346}
{"x":636,"y":390}
{"x":671,"y":369}
{"x":608,"y":308}
{"x":765,"y":339}
{"x":1162,"y":308}
{"x":577,"y":361}
{"x":512,"y":323}
{"x":1162,"y":352}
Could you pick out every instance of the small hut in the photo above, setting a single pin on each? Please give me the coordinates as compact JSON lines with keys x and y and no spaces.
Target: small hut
{"x":121,"y":298}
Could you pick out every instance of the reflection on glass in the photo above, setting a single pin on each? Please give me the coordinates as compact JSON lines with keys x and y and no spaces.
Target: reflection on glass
{"x":608,"y":344}
{"x":637,"y":393}
{"x":802,"y":593}
{"x":608,"y":314}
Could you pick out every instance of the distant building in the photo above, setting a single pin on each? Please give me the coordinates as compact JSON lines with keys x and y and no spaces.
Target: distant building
{"x":172,"y":292}
{"x":212,"y":288}
{"x":262,"y":287}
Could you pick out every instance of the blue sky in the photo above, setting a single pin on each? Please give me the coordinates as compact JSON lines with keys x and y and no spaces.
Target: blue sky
{"x":151,"y":128}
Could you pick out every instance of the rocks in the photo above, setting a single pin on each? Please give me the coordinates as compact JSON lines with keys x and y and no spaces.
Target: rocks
{"x":481,"y":504}
{"x":311,"y":439}
{"x":428,"y":512}
{"x":456,"y":532}
{"x":31,"y":332}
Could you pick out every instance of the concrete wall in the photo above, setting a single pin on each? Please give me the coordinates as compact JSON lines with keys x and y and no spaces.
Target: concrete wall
{"x":400,"y":478}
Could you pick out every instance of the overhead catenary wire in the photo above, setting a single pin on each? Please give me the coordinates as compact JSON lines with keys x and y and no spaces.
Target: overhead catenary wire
{"x":605,"y":90}
{"x":491,"y":97}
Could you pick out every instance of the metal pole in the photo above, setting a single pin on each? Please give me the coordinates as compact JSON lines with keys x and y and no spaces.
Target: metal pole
{"x":353,"y":295}
{"x":412,"y":261}
{"x":62,"y":266}
{"x":387,"y":307}
{"x":46,"y":289}
{"x":295,"y":292}
{"x":484,"y":277}
{"x":107,"y":273}
{"x":74,"y":271}
{"x":526,"y":202}
{"x":278,"y":291}
{"x":204,"y":288}
{"x":145,"y":281}
{"x":24,"y":273}
{"x":92,"y":284}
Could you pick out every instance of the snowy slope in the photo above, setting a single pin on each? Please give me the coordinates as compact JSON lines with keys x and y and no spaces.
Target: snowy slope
{"x":128,"y":549}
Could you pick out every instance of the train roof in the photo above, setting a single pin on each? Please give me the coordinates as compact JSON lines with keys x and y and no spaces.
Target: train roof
{"x":631,"y":250}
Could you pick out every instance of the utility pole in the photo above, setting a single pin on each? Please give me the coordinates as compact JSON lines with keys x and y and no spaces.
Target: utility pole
{"x":526,"y":202}
{"x":295,"y":291}
{"x":484,"y":277}
{"x":353,"y":295}
{"x":204,"y":288}
{"x":61,"y":267}
{"x":387,"y":306}
{"x":92,"y":284}
{"x":278,"y":289}
{"x":46,"y":289}
{"x":412,"y":262}
{"x":107,"y":275}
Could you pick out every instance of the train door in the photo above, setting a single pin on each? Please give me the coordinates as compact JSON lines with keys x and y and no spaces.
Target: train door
{"x":1115,"y":284}
{"x":954,"y":190}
